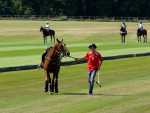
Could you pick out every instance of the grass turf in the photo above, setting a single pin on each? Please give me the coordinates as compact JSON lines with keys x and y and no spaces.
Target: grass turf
{"x":125,"y":89}
{"x":125,"y":82}
{"x":21,"y":42}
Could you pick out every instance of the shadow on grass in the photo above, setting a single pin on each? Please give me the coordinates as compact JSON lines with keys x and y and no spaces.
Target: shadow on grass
{"x":96,"y":94}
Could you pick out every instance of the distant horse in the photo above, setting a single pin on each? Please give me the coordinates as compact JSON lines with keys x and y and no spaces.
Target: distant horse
{"x":46,"y":33}
{"x":140,"y":34}
{"x":51,"y":61}
{"x":123,"y":33}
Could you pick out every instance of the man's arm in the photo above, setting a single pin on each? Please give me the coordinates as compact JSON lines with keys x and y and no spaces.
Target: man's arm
{"x":83,"y":59}
{"x":80,"y":59}
{"x":100,"y":61}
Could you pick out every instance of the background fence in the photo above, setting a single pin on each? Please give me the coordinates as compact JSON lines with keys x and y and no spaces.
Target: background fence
{"x":65,"y":18}
{"x":68,"y":63}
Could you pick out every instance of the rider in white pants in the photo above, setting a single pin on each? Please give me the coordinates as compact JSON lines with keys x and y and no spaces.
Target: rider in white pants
{"x":123,"y":24}
{"x":47,"y":26}
{"x":141,"y":26}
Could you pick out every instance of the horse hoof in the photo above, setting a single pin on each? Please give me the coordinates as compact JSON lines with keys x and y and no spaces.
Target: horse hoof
{"x":45,"y":91}
{"x":56,"y":92}
{"x":51,"y":93}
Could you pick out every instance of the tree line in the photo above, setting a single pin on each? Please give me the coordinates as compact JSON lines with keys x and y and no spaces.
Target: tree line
{"x":108,"y":8}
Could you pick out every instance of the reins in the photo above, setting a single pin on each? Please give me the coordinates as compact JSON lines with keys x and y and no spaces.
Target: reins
{"x":71,"y":57}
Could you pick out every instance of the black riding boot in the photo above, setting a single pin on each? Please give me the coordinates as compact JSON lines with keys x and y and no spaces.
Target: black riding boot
{"x":56,"y":86}
{"x":46,"y":86}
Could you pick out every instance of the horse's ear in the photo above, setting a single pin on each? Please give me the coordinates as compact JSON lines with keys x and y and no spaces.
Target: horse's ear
{"x":62,"y":40}
{"x":58,"y":40}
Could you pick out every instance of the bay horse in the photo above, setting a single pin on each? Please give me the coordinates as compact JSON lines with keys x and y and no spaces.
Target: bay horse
{"x":51,"y":61}
{"x":140,"y":34}
{"x":123,"y":33}
{"x":46,"y":33}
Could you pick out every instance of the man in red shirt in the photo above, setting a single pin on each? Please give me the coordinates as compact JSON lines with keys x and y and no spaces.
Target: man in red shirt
{"x":94,"y":60}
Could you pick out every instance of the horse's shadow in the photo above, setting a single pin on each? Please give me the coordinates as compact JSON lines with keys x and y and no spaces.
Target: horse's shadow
{"x":96,"y":94}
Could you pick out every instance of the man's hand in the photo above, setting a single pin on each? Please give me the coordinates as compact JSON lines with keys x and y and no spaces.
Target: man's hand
{"x":100,"y":65}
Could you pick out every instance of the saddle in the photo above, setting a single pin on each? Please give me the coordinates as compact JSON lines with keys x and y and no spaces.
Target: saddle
{"x":47,"y":29}
{"x":141,"y":30}
{"x":123,"y":30}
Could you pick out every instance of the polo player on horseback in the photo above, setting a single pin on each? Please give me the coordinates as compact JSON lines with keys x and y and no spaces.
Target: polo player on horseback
{"x":47,"y":31}
{"x":141,"y":26}
{"x":123,"y":31}
{"x":123,"y":25}
{"x":47,"y":26}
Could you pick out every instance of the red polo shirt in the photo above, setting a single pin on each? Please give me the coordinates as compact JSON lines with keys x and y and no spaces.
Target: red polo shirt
{"x":94,"y":60}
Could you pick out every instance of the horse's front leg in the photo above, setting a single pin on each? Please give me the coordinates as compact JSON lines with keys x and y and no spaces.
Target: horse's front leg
{"x":140,"y":39}
{"x":124,"y":39}
{"x":56,"y":81}
{"x":44,"y":39}
{"x":52,"y":83}
{"x":51,"y":38}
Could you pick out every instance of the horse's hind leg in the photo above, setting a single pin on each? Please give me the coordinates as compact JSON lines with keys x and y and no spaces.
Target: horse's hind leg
{"x":139,"y":39}
{"x":47,"y":81}
{"x":145,"y":39}
{"x":53,"y":38}
{"x":52,"y":83}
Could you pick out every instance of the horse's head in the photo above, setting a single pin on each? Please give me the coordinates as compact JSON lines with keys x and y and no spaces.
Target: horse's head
{"x":61,"y":48}
{"x":41,"y":29}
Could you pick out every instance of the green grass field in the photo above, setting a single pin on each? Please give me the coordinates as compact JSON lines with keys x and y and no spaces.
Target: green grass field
{"x":22,"y":43}
{"x":125,"y":83}
{"x":125,"y":89}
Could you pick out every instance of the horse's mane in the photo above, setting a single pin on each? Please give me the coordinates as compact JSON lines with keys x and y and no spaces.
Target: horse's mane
{"x":50,"y":54}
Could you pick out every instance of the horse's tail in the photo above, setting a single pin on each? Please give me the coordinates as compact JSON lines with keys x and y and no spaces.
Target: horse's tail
{"x":145,"y":31}
{"x":53,"y":33}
